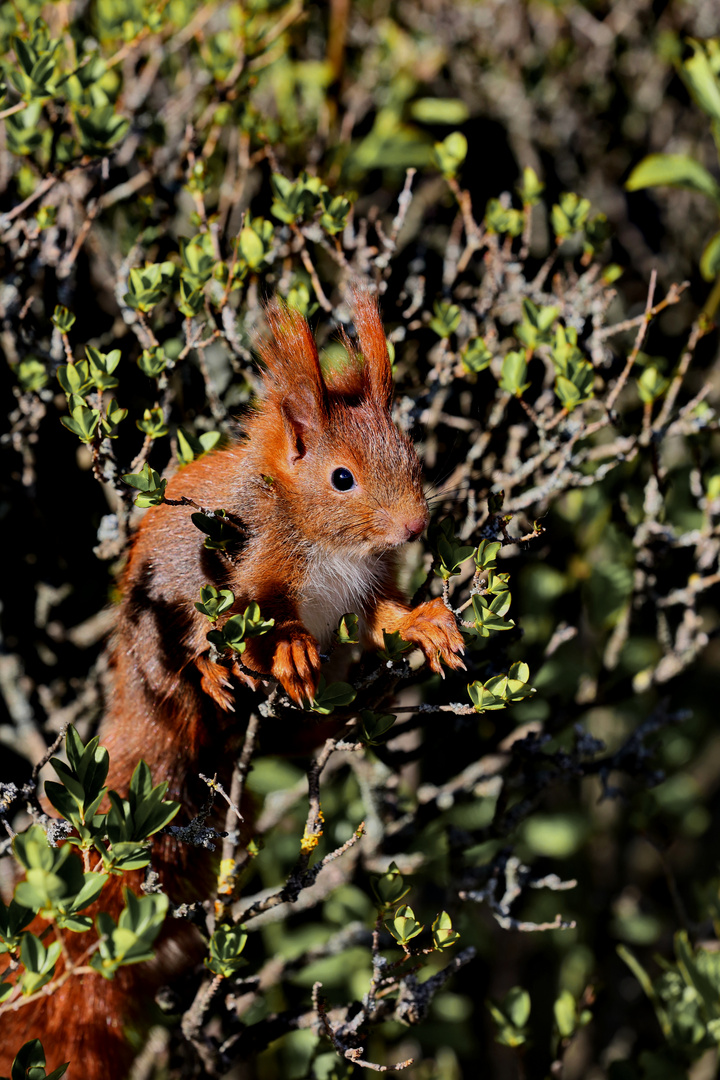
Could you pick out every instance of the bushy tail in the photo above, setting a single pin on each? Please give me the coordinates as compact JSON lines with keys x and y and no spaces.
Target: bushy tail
{"x":85,"y":1018}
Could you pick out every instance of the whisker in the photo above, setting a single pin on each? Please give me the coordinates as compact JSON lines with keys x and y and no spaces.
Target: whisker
{"x":450,"y":493}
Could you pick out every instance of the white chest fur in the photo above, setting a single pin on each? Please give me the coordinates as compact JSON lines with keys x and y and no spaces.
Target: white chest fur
{"x":335,"y":583}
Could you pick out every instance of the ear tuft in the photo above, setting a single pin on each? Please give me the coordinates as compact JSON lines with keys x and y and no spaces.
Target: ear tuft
{"x":291,"y":353}
{"x":293,"y":382}
{"x":373,"y":345}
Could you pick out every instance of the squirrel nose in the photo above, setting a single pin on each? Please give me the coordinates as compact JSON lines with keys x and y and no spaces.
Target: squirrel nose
{"x":414,"y":528}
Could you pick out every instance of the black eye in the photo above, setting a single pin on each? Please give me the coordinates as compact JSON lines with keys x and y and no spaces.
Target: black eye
{"x":342,"y":479}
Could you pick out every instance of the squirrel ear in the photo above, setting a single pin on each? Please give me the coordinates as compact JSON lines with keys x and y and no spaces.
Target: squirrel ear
{"x":300,"y":419}
{"x":293,"y":379}
{"x":373,"y":346}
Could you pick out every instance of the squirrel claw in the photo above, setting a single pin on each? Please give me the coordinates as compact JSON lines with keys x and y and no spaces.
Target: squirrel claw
{"x":296,"y":665}
{"x":433,"y":629}
{"x":214,"y":682}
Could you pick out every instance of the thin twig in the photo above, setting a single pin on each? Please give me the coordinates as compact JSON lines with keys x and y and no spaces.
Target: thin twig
{"x":43,"y":187}
{"x":699,"y":328}
{"x":639,"y":338}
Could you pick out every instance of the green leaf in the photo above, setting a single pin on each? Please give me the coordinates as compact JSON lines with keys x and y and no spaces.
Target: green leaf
{"x":152,"y":362}
{"x":75,"y":378}
{"x":113,"y":416}
{"x":576,"y":385}
{"x":191,"y":447}
{"x":646,"y":983}
{"x":23,"y":134}
{"x":519,"y":672}
{"x":597,"y":232}
{"x":566,"y":1015}
{"x":296,"y":200}
{"x":673,"y":170}
{"x":375,"y":726}
{"x":484,"y":700}
{"x":100,"y":129}
{"x":403,"y":925}
{"x":251,"y":247}
{"x":29,"y":1064}
{"x":153,"y":423}
{"x":213,"y":602}
{"x":511,"y":1016}
{"x":476,"y":356}
{"x":710,"y":258}
{"x":651,"y":385}
{"x":92,"y":887}
{"x":130,"y":942}
{"x":82,"y":422}
{"x":447,"y":319}
{"x":514,"y":374}
{"x":564,"y":348}
{"x":101,"y":367}
{"x":32,"y":374}
{"x":90,"y":762}
{"x":569,"y":215}
{"x":335,"y":216}
{"x":695,"y":977}
{"x":394,"y":645}
{"x":501,"y":690}
{"x":611,"y":273}
{"x":218,"y":532}
{"x":497,"y":583}
{"x":535,"y":329}
{"x":255,"y":624}
{"x":143,"y":813}
{"x":33,"y":850}
{"x":434,"y":110}
{"x":192,"y":298}
{"x":487,"y":553}
{"x":531,"y":187}
{"x":149,"y":484}
{"x":13,"y":920}
{"x":503,"y":219}
{"x":147,"y":285}
{"x":329,"y":697}
{"x":25,"y":54}
{"x":451,"y":153}
{"x":448,"y":551}
{"x":146,"y":481}
{"x":299,"y":298}
{"x":239,"y":627}
{"x":516,"y":1006}
{"x":46,"y":217}
{"x":226,"y":945}
{"x":348,"y":631}
{"x":702,"y":81}
{"x":389,"y":888}
{"x":442,"y":932}
{"x":256,"y":242}
{"x":38,"y":961}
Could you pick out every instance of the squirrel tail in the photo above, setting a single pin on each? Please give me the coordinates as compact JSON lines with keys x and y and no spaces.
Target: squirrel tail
{"x":81,"y":1022}
{"x":86,"y":1019}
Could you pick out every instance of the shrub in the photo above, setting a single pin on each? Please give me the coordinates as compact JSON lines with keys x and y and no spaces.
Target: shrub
{"x":178,"y":164}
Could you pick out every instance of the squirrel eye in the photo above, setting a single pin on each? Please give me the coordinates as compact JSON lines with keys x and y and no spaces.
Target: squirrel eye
{"x":342,"y":479}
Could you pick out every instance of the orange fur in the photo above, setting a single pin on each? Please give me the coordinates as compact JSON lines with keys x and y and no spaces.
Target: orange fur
{"x":308,"y":553}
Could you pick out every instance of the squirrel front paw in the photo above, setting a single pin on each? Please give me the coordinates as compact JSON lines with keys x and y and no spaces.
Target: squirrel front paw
{"x":432,"y":628}
{"x":215,"y":683}
{"x":296,"y":666}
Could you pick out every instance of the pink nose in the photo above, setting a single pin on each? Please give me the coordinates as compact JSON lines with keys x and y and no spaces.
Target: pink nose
{"x":414,"y":528}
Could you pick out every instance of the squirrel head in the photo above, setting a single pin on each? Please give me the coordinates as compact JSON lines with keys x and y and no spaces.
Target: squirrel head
{"x":325,"y":443}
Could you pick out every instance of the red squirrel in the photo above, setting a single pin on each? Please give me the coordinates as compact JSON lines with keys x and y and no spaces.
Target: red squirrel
{"x":326,"y":491}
